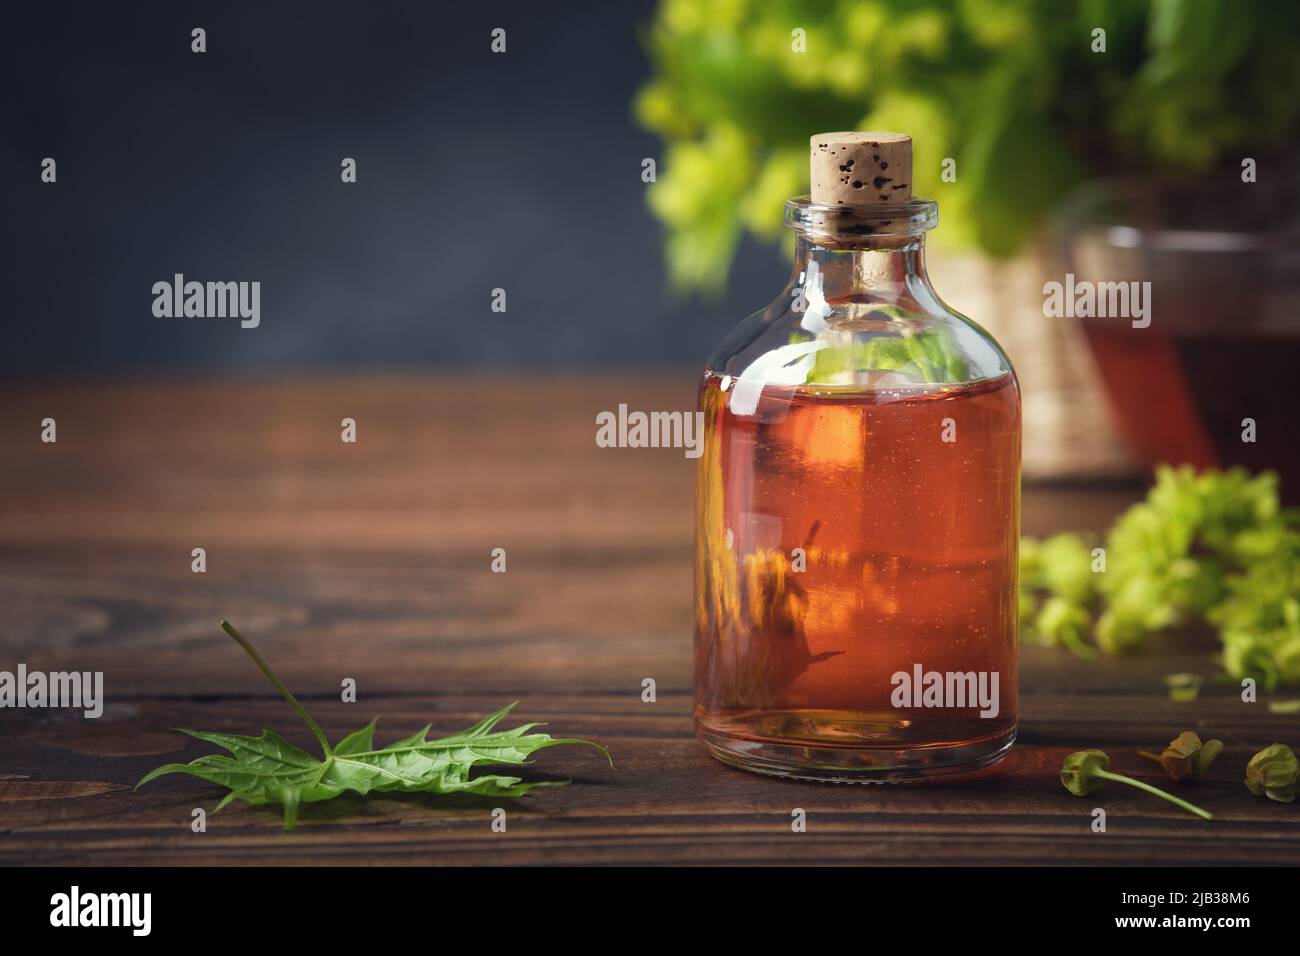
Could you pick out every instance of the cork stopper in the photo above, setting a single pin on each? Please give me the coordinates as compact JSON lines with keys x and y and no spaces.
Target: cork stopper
{"x":860,"y":169}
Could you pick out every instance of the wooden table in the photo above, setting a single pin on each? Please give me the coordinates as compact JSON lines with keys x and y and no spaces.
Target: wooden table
{"x":371,"y":561}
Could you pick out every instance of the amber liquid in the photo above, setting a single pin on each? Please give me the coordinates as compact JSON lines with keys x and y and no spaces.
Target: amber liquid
{"x":909,"y":547}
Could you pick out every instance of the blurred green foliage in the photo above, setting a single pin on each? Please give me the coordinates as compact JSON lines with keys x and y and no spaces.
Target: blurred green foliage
{"x":1010,"y":89}
{"x":1213,"y":546}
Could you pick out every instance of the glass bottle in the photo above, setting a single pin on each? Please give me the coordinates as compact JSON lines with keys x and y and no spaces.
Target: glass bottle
{"x":858,"y":504}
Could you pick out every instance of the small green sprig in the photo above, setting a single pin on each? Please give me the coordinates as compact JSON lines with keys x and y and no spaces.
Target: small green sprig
{"x":1183,"y":688}
{"x":1084,"y":772}
{"x":1274,"y":772}
{"x":269,"y":769}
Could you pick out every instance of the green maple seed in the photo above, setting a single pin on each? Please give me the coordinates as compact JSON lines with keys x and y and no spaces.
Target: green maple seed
{"x":1079,"y":772}
{"x":1084,"y":771}
{"x":1274,"y":772}
{"x":269,"y":769}
{"x":1186,"y":756}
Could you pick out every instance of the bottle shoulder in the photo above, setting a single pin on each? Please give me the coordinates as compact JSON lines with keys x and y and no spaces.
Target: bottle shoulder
{"x":906,"y":336}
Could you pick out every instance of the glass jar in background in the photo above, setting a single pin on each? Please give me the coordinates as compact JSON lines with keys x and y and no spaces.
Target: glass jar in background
{"x":1219,"y":348}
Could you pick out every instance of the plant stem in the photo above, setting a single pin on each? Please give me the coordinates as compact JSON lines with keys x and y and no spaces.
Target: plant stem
{"x":284,"y":691}
{"x":1149,"y":755}
{"x":1120,"y":778}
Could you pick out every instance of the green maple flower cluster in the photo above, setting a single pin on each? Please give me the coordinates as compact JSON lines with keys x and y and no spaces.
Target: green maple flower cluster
{"x":1274,"y":772}
{"x":1214,"y":546}
{"x":1013,"y":91}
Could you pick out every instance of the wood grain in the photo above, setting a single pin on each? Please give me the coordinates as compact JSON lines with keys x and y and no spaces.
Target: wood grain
{"x":371,"y":561}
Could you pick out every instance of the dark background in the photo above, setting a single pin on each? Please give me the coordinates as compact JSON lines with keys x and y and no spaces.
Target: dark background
{"x":476,"y":170}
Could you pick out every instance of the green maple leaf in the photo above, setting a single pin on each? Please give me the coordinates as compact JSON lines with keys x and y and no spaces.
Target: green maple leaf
{"x":269,"y":769}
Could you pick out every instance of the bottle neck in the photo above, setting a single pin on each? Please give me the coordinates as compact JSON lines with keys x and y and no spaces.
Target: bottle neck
{"x":890,"y":271}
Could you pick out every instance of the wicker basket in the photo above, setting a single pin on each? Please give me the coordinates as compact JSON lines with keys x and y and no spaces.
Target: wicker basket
{"x":1067,"y":428}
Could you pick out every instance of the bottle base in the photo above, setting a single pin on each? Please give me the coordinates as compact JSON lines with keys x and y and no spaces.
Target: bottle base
{"x":840,"y":763}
